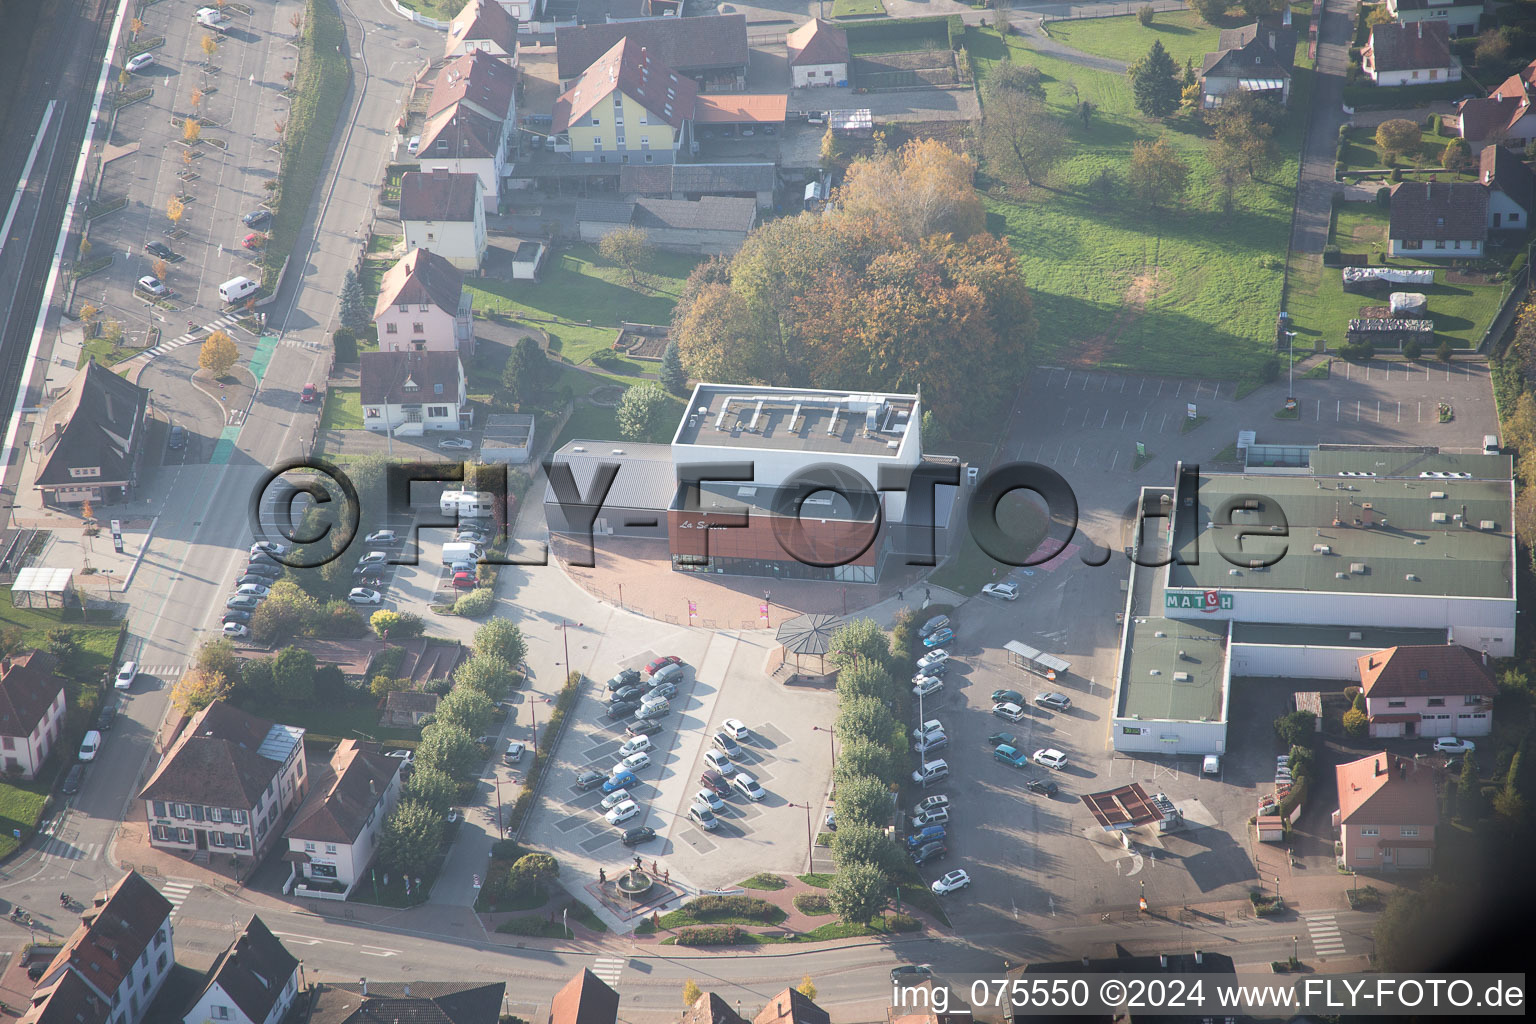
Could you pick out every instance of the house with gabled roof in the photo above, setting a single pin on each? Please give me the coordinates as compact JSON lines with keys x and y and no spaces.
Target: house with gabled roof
{"x":471,"y":115}
{"x":335,"y":833}
{"x":1431,"y":690}
{"x":710,"y":1008}
{"x":1438,"y":219}
{"x":444,"y":213}
{"x":409,"y":1002}
{"x":254,"y":981}
{"x":91,"y":441}
{"x":412,"y":392}
{"x":405,"y":709}
{"x":585,"y":999}
{"x":1511,"y":189}
{"x":818,"y":54}
{"x":627,"y":107}
{"x":1414,"y":54}
{"x":709,"y":47}
{"x":1461,"y":17}
{"x":117,"y":958}
{"x":1505,"y":117}
{"x":1388,"y":810}
{"x":792,"y":1007}
{"x":1256,"y":58}
{"x":226,"y":785}
{"x":712,"y":225}
{"x":483,"y":25}
{"x":32,"y":705}
{"x":423,"y":306}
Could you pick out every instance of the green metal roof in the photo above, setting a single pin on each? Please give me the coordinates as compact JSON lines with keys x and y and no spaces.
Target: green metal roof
{"x":1372,"y":638}
{"x":1165,"y":695}
{"x":1378,"y":530}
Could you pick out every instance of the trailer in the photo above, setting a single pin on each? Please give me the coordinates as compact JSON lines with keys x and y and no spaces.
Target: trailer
{"x":1021,"y":655}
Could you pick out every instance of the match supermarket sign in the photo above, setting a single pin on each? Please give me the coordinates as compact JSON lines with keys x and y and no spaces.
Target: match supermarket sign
{"x":1197,"y":600}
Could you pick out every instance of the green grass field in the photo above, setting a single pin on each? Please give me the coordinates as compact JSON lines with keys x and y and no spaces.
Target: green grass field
{"x":578,"y":286}
{"x":1185,"y":36}
{"x":21,"y":803}
{"x":1359,"y":152}
{"x":1112,"y":286}
{"x":1321,"y":308}
{"x":98,"y":640}
{"x":884,"y":37}
{"x":856,"y":8}
{"x":343,"y":410}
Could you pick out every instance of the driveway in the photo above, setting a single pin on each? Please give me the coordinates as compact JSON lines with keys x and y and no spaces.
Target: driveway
{"x":1314,"y":196}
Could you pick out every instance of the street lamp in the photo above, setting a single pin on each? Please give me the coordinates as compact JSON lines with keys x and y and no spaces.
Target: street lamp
{"x":809,"y":847}
{"x":1290,"y":387}
{"x":831,"y":749}
{"x":1295,"y":949}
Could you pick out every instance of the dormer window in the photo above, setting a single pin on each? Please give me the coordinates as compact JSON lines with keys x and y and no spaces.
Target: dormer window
{"x":410,"y":385}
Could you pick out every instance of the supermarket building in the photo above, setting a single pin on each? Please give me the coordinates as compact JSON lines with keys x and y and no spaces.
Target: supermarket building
{"x":1294,"y":571}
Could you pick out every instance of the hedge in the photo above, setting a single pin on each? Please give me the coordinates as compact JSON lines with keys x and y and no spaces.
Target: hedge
{"x":563,"y":704}
{"x":705,"y":907}
{"x":712,"y":935}
{"x":475,"y":603}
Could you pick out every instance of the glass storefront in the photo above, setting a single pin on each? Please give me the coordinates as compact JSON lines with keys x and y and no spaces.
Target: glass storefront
{"x":789,"y":570}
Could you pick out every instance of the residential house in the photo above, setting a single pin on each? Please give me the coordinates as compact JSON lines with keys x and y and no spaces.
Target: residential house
{"x":1387,"y":813}
{"x":756,"y":181}
{"x":523,"y":10}
{"x":1435,"y":220}
{"x":1415,"y":54}
{"x":585,"y":999}
{"x":417,"y":1002}
{"x":444,"y":213}
{"x":483,"y":25}
{"x":409,"y":393}
{"x":1257,"y":58}
{"x":335,"y":833}
{"x":92,"y":439}
{"x":254,"y":981}
{"x":471,"y":116}
{"x":32,"y":704}
{"x":818,"y":54}
{"x":711,"y":225}
{"x":627,"y":106}
{"x":711,"y":48}
{"x":1505,"y":116}
{"x":404,"y":709}
{"x":1511,"y":189}
{"x":226,"y":784}
{"x":1435,"y":690}
{"x":115,"y":961}
{"x":791,"y":1007}
{"x":1460,"y":16}
{"x":422,"y":306}
{"x":709,"y":1008}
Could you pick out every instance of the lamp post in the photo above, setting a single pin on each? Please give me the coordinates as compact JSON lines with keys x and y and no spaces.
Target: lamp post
{"x":621,"y":595}
{"x":768,"y":609}
{"x":1295,"y":949}
{"x":809,"y":847}
{"x":1290,"y":387}
{"x":831,"y":749}
{"x":499,"y":831}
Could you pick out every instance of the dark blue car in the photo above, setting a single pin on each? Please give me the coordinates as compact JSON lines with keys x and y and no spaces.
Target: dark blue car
{"x":931,"y":834}
{"x":623,"y":780}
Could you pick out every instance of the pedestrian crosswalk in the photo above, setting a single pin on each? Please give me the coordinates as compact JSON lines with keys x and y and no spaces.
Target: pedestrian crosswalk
{"x":169,"y":672}
{"x":64,"y":849}
{"x":200,"y":334}
{"x":1324,"y":930}
{"x":175,"y":892}
{"x":608,"y":969}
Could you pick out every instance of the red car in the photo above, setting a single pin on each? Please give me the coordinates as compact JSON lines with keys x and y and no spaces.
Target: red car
{"x":715,"y":783}
{"x":659,"y":663}
{"x":308,"y":394}
{"x":464,"y":580}
{"x":254,"y":240}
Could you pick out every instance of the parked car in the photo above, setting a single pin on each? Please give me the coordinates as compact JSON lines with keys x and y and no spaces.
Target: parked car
{"x":999,"y":739}
{"x":1452,"y":745}
{"x":308,"y":393}
{"x":269,"y":547}
{"x":1012,"y":756}
{"x":253,"y":589}
{"x":160,"y":250}
{"x":139,"y":62}
{"x":633,"y":693}
{"x":643,"y":728}
{"x":938,"y":668}
{"x":666,"y":674}
{"x":726,"y":745}
{"x":1007,"y":697}
{"x":737,"y":730}
{"x":374,"y":558}
{"x":176,"y":437}
{"x":656,"y":665}
{"x":90,"y":745}
{"x":930,"y":772}
{"x":1045,"y":787}
{"x":933,"y":625}
{"x":362,"y":595}
{"x":746,"y":784}
{"x":933,"y":657}
{"x":912,"y":974}
{"x":1011,"y":712}
{"x":514,"y":752}
{"x":636,"y":836}
{"x":262,"y":565}
{"x":710,"y":799}
{"x":236,"y":616}
{"x":382,"y":537}
{"x":943,"y":636}
{"x":256,"y":218}
{"x":153,"y":285}
{"x":1050,"y":758}
{"x":585,"y":780}
{"x":952,"y":881}
{"x":635,"y":745}
{"x":704,"y":816}
{"x":254,"y":240}
{"x":71,"y":784}
{"x":620,"y":779}
{"x":930,"y":743}
{"x":1211,"y":765}
{"x":1004,"y":591}
{"x":626,"y":677}
{"x":621,"y":708}
{"x":615,"y":798}
{"x":623,"y":812}
{"x":635,"y":762}
{"x":932,"y":816}
{"x":927,"y":685}
{"x":715,"y":783}
{"x":236,"y":630}
{"x":718,"y":761}
{"x":464,"y":580}
{"x":106,"y":717}
{"x":931,"y":834}
{"x":930,"y":803}
{"x":456,"y":444}
{"x":126,"y":675}
{"x":243,"y":602}
{"x":929,"y":851}
{"x":1054,"y":701}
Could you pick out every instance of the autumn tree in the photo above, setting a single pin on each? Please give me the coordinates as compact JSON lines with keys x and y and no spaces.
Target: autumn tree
{"x":1396,"y":137}
{"x":1011,"y":77}
{"x":218,"y":354}
{"x":1244,"y":133}
{"x":645,"y":412}
{"x":1158,"y":175}
{"x":715,"y":337}
{"x":1458,"y":157}
{"x":161,"y":268}
{"x":921,"y":190}
{"x":197,"y":98}
{"x":1020,"y":137}
{"x":191,"y":129}
{"x":175,"y":209}
{"x":807,"y":988}
{"x":210,"y":46}
{"x":197,"y":688}
{"x":691,"y":992}
{"x":1210,"y":11}
{"x":1154,"y":88}
{"x":628,"y":247}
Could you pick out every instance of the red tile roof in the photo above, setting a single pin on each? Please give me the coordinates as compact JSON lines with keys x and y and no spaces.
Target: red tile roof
{"x":1439,"y":210}
{"x":1383,"y":789}
{"x":217,"y":761}
{"x":410,"y":377}
{"x":28,"y":688}
{"x":741,"y":108}
{"x":1412,"y":47}
{"x":1502,"y":169}
{"x":629,"y":68}
{"x":420,"y":277}
{"x":817,"y":42}
{"x":337,"y":808}
{"x":253,"y":971}
{"x":790,"y":1007}
{"x":459,"y":133}
{"x":112,"y":935}
{"x":1441,"y":670}
{"x":585,"y":999}
{"x":478,"y":79}
{"x":483,"y":19}
{"x":439,"y":195}
{"x":65,"y":998}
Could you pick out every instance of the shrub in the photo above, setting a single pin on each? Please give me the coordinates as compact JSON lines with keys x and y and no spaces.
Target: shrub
{"x":1355,"y":722}
{"x":899,"y":922}
{"x":813,"y":904}
{"x":1396,"y":176}
{"x":1145,"y":16}
{"x":1444,"y":352}
{"x":475,"y":603}
{"x":703,"y":908}
{"x":1331,"y":254}
{"x":1434,"y":123}
{"x":1384,"y":197}
{"x":1412,"y":349}
{"x":608,"y":359}
{"x":712,"y":935}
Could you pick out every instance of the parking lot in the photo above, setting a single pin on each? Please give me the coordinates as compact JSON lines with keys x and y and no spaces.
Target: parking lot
{"x":723,"y":679}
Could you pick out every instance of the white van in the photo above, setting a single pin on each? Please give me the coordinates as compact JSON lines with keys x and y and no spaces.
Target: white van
{"x":90,"y":745}
{"x":237,"y":288}
{"x":461,"y":553}
{"x":468,"y":504}
{"x":1490,"y":444}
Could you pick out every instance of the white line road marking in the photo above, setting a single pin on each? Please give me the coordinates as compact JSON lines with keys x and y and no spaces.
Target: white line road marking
{"x":1114,"y":460}
{"x":1085,"y":382}
{"x":1164,"y":424}
{"x":309,"y":940}
{"x":1086,"y":414}
{"x":1399,"y":412}
{"x":1144,"y":420}
{"x":1068,"y":380}
{"x":1143,"y":386}
{"x":608,"y":968}
{"x":1105,"y":385}
{"x":1105,"y":420}
{"x":1124,"y":418}
{"x":1065,"y":414}
{"x":377,"y":951}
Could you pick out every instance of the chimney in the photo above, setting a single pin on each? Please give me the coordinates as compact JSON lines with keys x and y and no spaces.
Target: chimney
{"x":1272,"y":45}
{"x":1199,"y":956}
{"x":407,"y":988}
{"x":1162,"y":959}
{"x":365,"y":986}
{"x":1485,"y":657}
{"x":1379,"y":769}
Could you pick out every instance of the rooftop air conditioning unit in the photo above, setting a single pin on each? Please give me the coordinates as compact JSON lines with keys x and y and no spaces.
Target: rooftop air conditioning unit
{"x":1155,"y":672}
{"x":1355,"y":634}
{"x":1160,"y":634}
{"x":1233,"y":572}
{"x":1357,"y":567}
{"x":1437,"y":494}
{"x":1183,"y":677}
{"x":1341,"y":575}
{"x":1487,"y":524}
{"x":1251,"y":503}
{"x":1412,"y":577}
{"x":1321,"y":549}
{"x":578,"y":448}
{"x":1438,"y":517}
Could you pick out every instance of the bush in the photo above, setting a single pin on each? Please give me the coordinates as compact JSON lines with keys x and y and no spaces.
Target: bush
{"x":703,"y":908}
{"x":1355,"y":722}
{"x":1331,"y":254}
{"x":1357,"y":351}
{"x":1412,"y":349}
{"x":899,"y":922}
{"x":1396,"y":176}
{"x":1384,"y":197}
{"x":1434,"y":123}
{"x":608,"y":359}
{"x":712,"y":935}
{"x":1145,"y":16}
{"x":475,"y":603}
{"x":813,"y":904}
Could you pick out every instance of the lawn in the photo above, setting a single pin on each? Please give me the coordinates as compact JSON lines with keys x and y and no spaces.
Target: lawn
{"x":587,"y":297}
{"x":1320,"y":307}
{"x":1115,"y":287}
{"x":98,"y":638}
{"x":21,"y":803}
{"x":887,"y":37}
{"x":1184,"y":34}
{"x":343,"y":410}
{"x":856,"y":8}
{"x":1359,"y":153}
{"x":323,"y":724}
{"x":600,"y":422}
{"x":440,"y":10}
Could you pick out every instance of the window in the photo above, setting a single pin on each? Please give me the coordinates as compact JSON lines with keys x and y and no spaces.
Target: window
{"x":437,"y":389}
{"x":218,"y":838}
{"x":650,"y":158}
{"x":8,"y":743}
{"x":1370,"y":831}
{"x":437,"y":412}
{"x":1415,"y":75}
{"x":330,"y":848}
{"x":159,"y":938}
{"x":1408,"y":831}
{"x":418,"y":327}
{"x":595,"y":122}
{"x":215,"y":814}
{"x":1412,"y":243}
{"x":219,"y":1012}
{"x":183,"y":835}
{"x":431,"y":237}
{"x":159,"y":964}
{"x":164,"y":833}
{"x":422,"y":307}
{"x":597,"y":145}
{"x":309,"y":847}
{"x":178,"y":810}
{"x":645,"y":142}
{"x":1440,"y":243}
{"x":242,"y":841}
{"x":197,"y":812}
{"x":147,"y":980}
{"x":1397,"y":703}
{"x":237,"y":816}
{"x":1436,"y":702}
{"x":391,"y":328}
{"x":1514,"y":218}
{"x":1433,"y":74}
{"x":620,"y":141}
{"x":405,"y":307}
